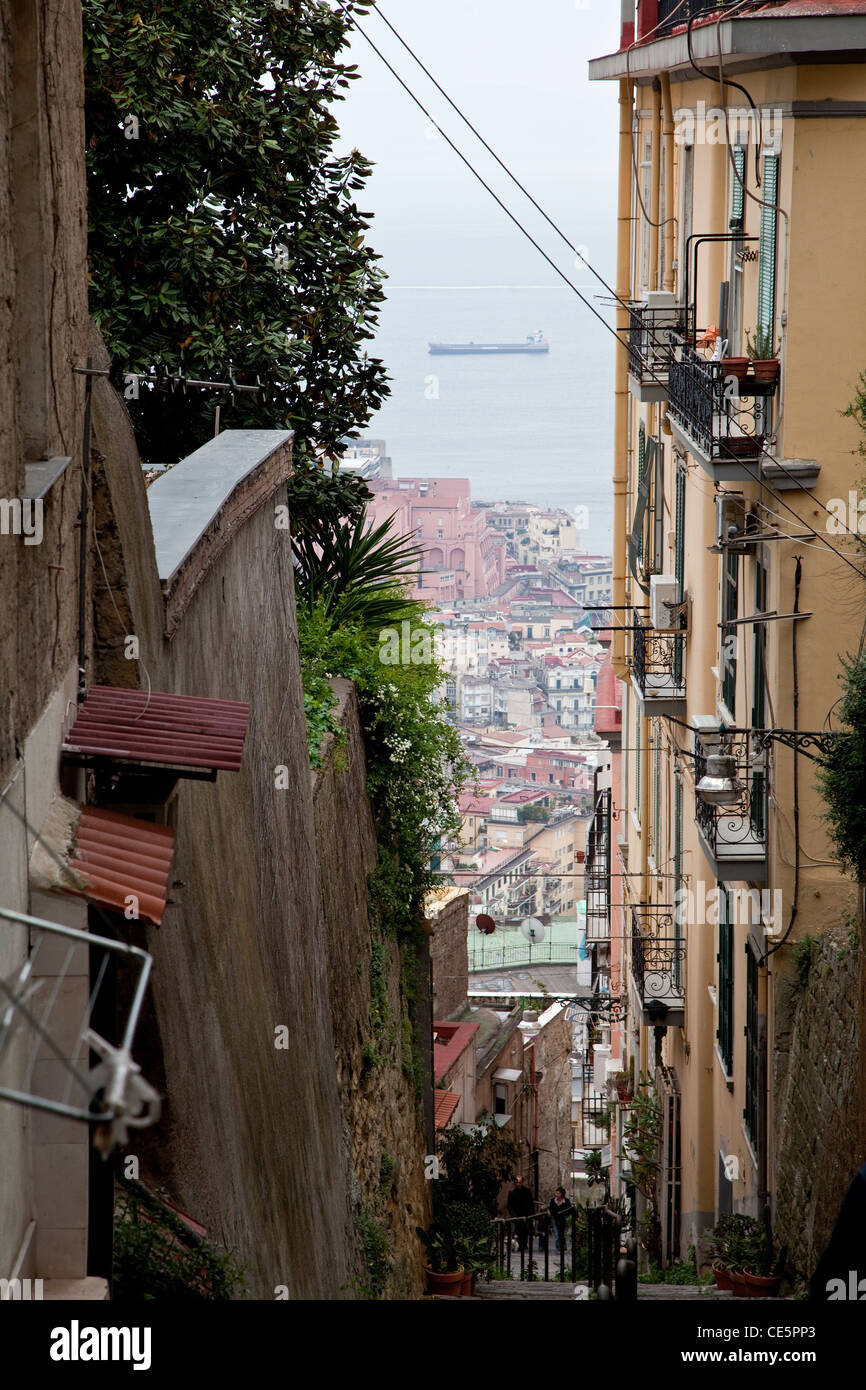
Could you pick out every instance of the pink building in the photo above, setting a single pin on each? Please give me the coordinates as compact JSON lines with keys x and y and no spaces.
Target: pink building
{"x":464,"y":554}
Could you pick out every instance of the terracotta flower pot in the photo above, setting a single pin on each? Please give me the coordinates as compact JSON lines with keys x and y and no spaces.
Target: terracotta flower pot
{"x":722,"y":1276}
{"x":468,"y":1288}
{"x":447,"y":1285}
{"x":766,"y":368}
{"x":735,"y":366}
{"x":762,"y":1286}
{"x":739,"y":1287}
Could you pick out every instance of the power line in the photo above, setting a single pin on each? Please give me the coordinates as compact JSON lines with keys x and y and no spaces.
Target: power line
{"x":560,"y":233}
{"x":518,"y":224}
{"x":514,"y":179}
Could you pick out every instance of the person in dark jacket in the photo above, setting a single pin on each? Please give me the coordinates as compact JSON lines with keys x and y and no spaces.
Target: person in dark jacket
{"x":841,"y":1272}
{"x":521,"y":1204}
{"x":559,"y":1209}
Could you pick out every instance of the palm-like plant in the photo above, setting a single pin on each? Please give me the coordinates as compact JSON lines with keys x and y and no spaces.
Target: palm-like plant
{"x":357,"y":573}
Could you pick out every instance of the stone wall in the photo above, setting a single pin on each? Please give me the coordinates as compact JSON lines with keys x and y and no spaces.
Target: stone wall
{"x":819,"y":1116}
{"x":382,"y":1114}
{"x":448,"y":911}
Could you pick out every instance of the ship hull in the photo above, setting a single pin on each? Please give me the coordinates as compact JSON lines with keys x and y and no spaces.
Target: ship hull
{"x":483,"y":349}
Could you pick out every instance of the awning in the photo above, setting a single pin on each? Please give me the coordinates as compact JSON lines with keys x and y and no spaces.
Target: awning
{"x":119,"y":858}
{"x":507,"y":1074}
{"x":177,"y":731}
{"x":446,"y":1103}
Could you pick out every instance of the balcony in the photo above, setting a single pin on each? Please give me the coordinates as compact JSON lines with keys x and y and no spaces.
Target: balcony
{"x":734,"y":836}
{"x":658,"y":670}
{"x":658,"y":959}
{"x":721,"y":423}
{"x":656,"y":328}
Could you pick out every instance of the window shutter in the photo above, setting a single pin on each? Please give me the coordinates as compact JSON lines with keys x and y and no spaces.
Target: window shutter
{"x":641,"y":470}
{"x":737,"y":196}
{"x":767,"y":249}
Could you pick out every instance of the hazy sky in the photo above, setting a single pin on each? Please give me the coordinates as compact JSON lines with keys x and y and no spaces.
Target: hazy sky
{"x":519,"y":72}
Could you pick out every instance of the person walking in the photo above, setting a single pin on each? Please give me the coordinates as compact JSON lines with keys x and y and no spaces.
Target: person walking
{"x":521,"y":1205}
{"x":559,"y":1209}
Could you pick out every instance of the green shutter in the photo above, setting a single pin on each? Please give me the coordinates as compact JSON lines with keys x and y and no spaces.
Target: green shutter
{"x":736,"y":221}
{"x":767,"y":251}
{"x":641,"y":469}
{"x":679,"y":560}
{"x":678,"y":873}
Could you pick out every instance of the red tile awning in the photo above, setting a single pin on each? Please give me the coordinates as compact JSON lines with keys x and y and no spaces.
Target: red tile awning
{"x":119,"y":857}
{"x":446,"y":1103}
{"x":171,"y":730}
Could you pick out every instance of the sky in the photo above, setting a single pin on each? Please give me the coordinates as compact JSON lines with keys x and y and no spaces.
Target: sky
{"x":519,"y":72}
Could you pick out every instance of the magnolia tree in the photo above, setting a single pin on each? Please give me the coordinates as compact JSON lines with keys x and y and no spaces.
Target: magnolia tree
{"x":224,"y":233}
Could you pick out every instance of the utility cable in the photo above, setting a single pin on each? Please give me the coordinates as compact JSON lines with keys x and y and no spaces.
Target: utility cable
{"x":464,"y":159}
{"x":514,"y":179}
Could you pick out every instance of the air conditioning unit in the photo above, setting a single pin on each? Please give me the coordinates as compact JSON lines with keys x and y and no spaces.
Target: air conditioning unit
{"x":664,"y":600}
{"x":600,"y":1058}
{"x":730,"y":519}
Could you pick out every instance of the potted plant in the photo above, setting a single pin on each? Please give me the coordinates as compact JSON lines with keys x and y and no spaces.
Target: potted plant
{"x":473,"y":1233}
{"x":445,"y":1274}
{"x":760,"y":349}
{"x":744,"y":1256}
{"x":624,"y":1085}
{"x":761,"y":1271}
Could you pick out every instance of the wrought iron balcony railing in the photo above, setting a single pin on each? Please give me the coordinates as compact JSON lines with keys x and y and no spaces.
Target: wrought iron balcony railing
{"x":658,"y":669}
{"x":735,"y":834}
{"x":654,"y":334}
{"x":658,"y":958}
{"x":722,"y":425}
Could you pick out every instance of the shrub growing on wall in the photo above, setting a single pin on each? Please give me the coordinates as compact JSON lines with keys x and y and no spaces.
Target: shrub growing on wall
{"x":842,"y":778}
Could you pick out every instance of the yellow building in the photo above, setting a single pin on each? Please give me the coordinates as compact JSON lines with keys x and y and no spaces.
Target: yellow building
{"x":740,"y":222}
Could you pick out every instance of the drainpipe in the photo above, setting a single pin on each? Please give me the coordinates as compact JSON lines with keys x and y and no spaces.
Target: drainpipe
{"x":655,"y":142}
{"x":621,"y":396}
{"x":668,"y":139}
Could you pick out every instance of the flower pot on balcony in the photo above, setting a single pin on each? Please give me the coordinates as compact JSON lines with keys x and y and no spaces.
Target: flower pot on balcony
{"x":722,"y":1276}
{"x":766,"y":369}
{"x":447,"y":1285}
{"x":735,"y":366}
{"x":738,"y":446}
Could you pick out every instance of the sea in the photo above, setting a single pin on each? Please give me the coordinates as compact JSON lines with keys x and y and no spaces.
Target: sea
{"x":536,"y":428}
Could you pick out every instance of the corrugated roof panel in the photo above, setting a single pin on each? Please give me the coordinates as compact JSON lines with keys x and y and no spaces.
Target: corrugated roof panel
{"x":446,"y":1103}
{"x":150,"y":727}
{"x":120,"y":857}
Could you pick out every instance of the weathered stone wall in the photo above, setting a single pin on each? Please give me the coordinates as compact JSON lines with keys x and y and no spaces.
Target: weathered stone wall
{"x":553,"y":1046}
{"x":449,"y":950}
{"x":819,"y":1089}
{"x":383,"y":1122}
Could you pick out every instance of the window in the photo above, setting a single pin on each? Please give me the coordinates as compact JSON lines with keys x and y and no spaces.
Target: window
{"x":500,"y":1098}
{"x":637,"y":757}
{"x":725,"y":958}
{"x":730,"y":603}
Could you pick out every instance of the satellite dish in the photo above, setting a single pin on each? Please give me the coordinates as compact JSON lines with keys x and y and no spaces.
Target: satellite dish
{"x":532,"y":929}
{"x":485,"y":924}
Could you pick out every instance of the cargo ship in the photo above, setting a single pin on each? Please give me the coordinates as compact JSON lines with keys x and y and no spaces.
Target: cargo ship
{"x":534,"y":342}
